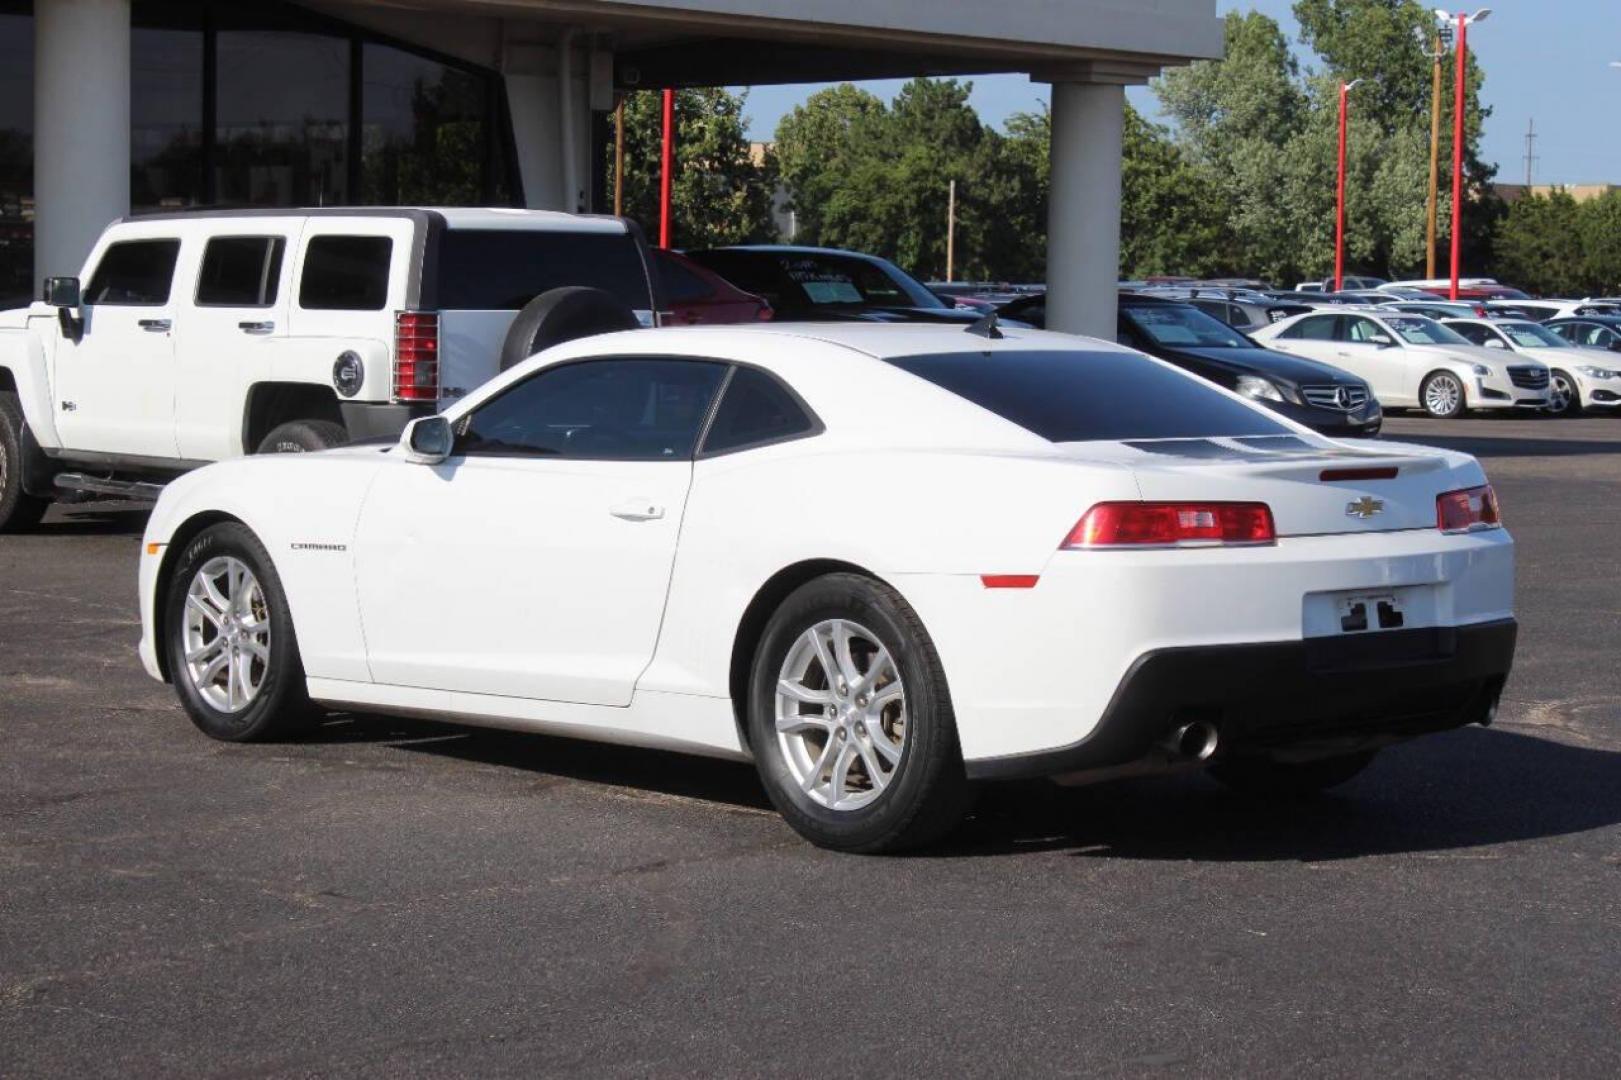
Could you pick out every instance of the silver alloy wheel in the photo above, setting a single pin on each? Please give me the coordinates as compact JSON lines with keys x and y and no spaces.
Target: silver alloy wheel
{"x":1562,"y":394}
{"x":1442,"y":395}
{"x":227,"y":634}
{"x":841,"y":714}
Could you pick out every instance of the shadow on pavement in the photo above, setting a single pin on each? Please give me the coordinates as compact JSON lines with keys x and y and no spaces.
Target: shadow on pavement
{"x":1464,"y":789}
{"x":90,"y":519}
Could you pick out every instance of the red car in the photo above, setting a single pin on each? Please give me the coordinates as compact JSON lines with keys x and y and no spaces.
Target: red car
{"x":694,"y":294}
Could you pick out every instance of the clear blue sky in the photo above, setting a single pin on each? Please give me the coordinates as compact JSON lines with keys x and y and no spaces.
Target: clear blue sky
{"x":1546,"y":60}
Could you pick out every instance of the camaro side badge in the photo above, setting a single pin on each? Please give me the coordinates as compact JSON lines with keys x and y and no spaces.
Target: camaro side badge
{"x":303,"y":546}
{"x":1365,"y":507}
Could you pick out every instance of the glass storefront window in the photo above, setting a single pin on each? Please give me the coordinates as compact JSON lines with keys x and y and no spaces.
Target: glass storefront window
{"x":16,"y":154}
{"x":281,"y":140}
{"x":426,"y":131}
{"x":166,"y":117}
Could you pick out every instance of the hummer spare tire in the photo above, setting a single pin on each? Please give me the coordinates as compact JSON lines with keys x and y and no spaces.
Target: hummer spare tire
{"x":560,"y":315}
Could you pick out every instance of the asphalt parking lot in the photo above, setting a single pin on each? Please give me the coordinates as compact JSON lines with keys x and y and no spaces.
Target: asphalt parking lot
{"x":396,"y":898}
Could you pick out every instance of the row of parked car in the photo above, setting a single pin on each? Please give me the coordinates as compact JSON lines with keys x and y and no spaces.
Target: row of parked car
{"x":198,"y":336}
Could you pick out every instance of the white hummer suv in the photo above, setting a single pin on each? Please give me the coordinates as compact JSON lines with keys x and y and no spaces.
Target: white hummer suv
{"x":205,"y":335}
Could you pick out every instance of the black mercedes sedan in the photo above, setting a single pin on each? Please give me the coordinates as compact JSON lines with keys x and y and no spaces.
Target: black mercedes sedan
{"x":1323,"y":398}
{"x":826,"y":284}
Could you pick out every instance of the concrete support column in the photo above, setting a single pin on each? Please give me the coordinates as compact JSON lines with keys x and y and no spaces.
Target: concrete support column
{"x":551,"y":90}
{"x":1083,"y":218}
{"x":81,"y":128}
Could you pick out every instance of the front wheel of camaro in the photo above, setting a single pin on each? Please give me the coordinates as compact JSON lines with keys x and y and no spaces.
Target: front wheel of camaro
{"x":229,"y":638}
{"x":850,"y":720}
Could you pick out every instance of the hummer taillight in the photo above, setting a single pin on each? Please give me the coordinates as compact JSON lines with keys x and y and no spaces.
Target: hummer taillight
{"x":416,"y":356}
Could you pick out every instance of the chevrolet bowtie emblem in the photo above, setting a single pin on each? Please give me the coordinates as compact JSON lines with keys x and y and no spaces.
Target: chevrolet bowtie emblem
{"x":1365,"y":507}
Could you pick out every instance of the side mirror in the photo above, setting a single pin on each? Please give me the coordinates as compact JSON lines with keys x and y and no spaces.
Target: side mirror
{"x":1495,"y":343}
{"x":62,"y":292}
{"x":427,"y":440}
{"x":1383,"y":341}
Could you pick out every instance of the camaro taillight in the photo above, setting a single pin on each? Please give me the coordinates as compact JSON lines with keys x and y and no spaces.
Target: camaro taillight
{"x":1162,"y":524}
{"x":416,"y":356}
{"x":1469,"y":510}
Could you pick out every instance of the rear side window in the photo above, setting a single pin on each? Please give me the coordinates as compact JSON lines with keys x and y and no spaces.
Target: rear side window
{"x":1318,"y":329}
{"x":135,"y":272}
{"x":240,"y":271}
{"x":345,"y":273}
{"x":756,"y":409}
{"x":492,"y":270}
{"x":681,"y":285}
{"x":1081,"y":396}
{"x":618,"y":409}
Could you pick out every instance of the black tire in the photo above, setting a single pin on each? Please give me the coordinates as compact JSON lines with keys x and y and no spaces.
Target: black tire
{"x":560,"y":315}
{"x":927,"y":793}
{"x":1460,"y":402}
{"x":282,"y":707}
{"x":1265,"y":778}
{"x":303,"y":437}
{"x":19,"y":511}
{"x":1572,"y":394}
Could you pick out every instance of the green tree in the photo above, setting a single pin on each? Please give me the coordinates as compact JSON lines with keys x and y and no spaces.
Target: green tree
{"x":818,"y":143}
{"x":1599,"y":226}
{"x":1171,"y":221}
{"x":1539,"y":245}
{"x":719,"y":194}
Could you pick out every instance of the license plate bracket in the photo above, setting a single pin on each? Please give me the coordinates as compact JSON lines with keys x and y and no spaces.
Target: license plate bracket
{"x":1374,"y":611}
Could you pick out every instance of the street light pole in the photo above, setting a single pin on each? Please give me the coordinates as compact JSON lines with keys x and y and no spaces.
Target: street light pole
{"x":666,"y":167}
{"x":1339,"y":201}
{"x":1457,"y":136}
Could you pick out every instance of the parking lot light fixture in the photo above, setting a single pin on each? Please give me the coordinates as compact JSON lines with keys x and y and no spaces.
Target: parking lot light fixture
{"x":1464,"y":19}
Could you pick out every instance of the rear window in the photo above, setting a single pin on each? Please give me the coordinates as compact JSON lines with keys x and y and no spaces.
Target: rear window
{"x":345,"y":273}
{"x":491,"y":270}
{"x":1081,"y":396}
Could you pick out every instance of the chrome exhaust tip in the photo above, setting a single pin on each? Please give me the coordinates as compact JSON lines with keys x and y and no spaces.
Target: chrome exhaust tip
{"x":1192,"y":742}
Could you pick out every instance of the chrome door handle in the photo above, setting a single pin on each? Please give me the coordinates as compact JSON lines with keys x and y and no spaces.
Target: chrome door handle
{"x":155,"y":326}
{"x":637,"y":510}
{"x":256,"y":327}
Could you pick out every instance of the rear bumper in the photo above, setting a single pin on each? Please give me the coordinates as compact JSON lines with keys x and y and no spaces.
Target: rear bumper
{"x":1390,"y":684}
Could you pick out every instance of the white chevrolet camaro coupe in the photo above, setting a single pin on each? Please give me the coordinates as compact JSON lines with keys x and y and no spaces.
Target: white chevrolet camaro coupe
{"x":882,"y":562}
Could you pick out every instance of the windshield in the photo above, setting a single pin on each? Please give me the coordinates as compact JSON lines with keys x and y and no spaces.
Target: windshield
{"x":838,"y":279}
{"x":1175,"y":325}
{"x":1417,"y":330}
{"x":1531,"y":336}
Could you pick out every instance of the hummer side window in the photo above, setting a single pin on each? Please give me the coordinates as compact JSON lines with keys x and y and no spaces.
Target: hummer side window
{"x":134,"y":273}
{"x":240,"y":271}
{"x":345,"y":273}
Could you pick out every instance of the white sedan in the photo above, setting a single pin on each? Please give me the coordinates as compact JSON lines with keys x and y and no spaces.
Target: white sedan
{"x":882,"y":562}
{"x":1412,"y":360}
{"x":1582,"y":377}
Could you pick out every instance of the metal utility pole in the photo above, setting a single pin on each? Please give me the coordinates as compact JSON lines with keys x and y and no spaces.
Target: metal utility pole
{"x":1530,"y":154}
{"x":619,"y":157}
{"x":951,"y":231}
{"x":1339,"y":199}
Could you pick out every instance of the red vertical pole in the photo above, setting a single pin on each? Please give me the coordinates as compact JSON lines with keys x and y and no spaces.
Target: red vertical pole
{"x":1457,"y":151}
{"x":666,"y":168}
{"x":1339,"y":203}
